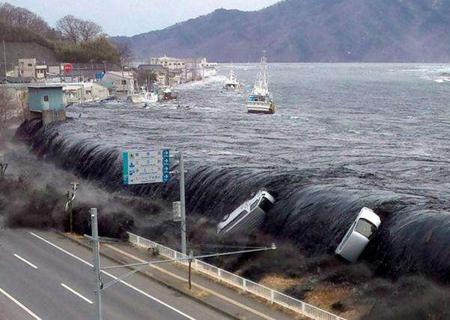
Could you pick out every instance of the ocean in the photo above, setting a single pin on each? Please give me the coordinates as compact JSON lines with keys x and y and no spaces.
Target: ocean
{"x":344,"y":136}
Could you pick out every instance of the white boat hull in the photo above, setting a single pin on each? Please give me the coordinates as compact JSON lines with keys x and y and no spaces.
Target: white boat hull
{"x":264,"y":108}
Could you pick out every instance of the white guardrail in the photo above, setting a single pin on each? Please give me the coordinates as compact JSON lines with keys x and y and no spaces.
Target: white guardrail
{"x":243,"y":284}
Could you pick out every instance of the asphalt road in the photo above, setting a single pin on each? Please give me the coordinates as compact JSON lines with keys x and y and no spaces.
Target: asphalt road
{"x":45,"y":276}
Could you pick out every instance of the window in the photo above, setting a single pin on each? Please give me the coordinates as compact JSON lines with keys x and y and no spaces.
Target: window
{"x":124,"y":82}
{"x":30,"y":65}
{"x":254,"y":204}
{"x":365,"y":228}
{"x":46,"y":98}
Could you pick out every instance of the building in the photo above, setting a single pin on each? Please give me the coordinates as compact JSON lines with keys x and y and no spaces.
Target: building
{"x":119,"y":82}
{"x":162,"y":73}
{"x":27,"y":68}
{"x":84,"y":92}
{"x":169,"y":63}
{"x":46,"y":102}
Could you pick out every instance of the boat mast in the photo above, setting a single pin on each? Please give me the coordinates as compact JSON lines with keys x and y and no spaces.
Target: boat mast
{"x":265,"y":80}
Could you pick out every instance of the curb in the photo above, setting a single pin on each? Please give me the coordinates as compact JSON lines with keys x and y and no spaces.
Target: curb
{"x":178,"y":290}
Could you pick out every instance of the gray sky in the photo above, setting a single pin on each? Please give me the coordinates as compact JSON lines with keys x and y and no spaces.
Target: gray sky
{"x":129,"y":17}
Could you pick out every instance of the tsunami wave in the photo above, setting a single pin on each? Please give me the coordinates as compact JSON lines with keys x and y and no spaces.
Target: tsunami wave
{"x":414,"y":236}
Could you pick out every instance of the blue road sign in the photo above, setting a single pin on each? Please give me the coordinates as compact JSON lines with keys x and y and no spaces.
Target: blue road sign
{"x":149,"y":166}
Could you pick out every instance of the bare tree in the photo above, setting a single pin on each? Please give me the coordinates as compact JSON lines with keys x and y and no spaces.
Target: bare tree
{"x":146,"y":78}
{"x":89,"y":30}
{"x":77,"y":30}
{"x":69,"y":26}
{"x":124,"y":51}
{"x":20,"y":17}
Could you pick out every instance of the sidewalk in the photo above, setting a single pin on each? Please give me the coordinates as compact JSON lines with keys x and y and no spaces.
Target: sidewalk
{"x":213,"y":294}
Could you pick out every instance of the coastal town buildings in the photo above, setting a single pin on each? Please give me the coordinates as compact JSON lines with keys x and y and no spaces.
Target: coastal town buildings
{"x":84,"y":92}
{"x":169,"y":63}
{"x":119,"y":82}
{"x":27,"y":68}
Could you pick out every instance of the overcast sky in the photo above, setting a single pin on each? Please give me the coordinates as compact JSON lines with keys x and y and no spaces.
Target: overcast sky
{"x":129,"y":17}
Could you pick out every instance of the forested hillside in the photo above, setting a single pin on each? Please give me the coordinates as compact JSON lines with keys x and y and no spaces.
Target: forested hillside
{"x":73,"y":40}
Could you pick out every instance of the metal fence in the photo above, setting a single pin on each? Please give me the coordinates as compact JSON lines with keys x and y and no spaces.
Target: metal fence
{"x":236,"y":281}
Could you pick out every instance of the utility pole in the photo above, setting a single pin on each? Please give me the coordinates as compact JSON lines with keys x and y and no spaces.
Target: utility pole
{"x":69,"y":204}
{"x":95,"y":248}
{"x":183,"y":206}
{"x":4,"y":57}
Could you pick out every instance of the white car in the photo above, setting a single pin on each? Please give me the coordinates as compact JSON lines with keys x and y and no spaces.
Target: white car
{"x":359,"y":235}
{"x":249,"y":216}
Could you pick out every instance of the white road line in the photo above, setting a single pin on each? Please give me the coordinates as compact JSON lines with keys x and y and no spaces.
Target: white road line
{"x":76,"y":293}
{"x":212,"y":292}
{"x":114,"y":277}
{"x":24,"y":260}
{"x":31,"y":313}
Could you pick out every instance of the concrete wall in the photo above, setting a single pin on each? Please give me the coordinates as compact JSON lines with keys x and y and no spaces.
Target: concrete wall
{"x":49,"y":116}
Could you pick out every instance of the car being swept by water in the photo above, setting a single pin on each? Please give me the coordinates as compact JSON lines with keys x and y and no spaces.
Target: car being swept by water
{"x":248,"y":216}
{"x":358,"y":235}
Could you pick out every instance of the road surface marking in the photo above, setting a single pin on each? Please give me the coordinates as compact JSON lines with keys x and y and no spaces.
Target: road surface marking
{"x":114,"y":277}
{"x":31,"y":313}
{"x":240,"y":305}
{"x":76,"y":293}
{"x":24,"y":260}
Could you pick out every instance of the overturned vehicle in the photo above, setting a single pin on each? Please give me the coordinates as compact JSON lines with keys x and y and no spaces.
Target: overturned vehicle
{"x":358,"y":235}
{"x":249,"y":216}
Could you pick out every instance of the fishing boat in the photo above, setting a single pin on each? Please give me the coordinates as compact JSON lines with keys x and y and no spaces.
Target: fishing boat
{"x":231,"y":82}
{"x":168,"y":94}
{"x":260,"y":100}
{"x":143,"y":98}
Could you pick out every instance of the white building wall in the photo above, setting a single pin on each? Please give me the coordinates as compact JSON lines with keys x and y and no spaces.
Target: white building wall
{"x":121,"y":84}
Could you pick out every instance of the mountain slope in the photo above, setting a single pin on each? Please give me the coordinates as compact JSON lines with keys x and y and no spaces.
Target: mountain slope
{"x":310,"y":30}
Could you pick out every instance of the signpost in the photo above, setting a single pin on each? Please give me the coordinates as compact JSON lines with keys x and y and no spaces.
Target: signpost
{"x":67,"y":67}
{"x":153,"y":166}
{"x":146,"y":166}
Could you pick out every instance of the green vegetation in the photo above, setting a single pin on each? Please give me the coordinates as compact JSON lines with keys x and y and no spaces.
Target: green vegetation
{"x":74,"y":40}
{"x":97,"y":50}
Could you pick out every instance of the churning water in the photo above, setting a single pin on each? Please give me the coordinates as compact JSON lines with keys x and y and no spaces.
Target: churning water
{"x":344,"y":136}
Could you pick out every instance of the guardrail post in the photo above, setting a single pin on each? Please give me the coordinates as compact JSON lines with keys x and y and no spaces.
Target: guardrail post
{"x":272,"y":296}
{"x":138,"y":242}
{"x":244,"y":285}
{"x":219,"y":274}
{"x":195,"y":264}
